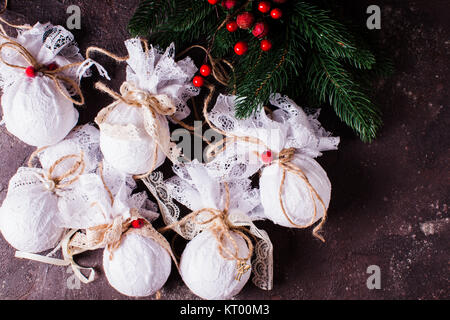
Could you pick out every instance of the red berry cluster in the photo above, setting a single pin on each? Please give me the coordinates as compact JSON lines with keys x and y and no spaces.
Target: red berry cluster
{"x":246,"y":20}
{"x":205,"y":71}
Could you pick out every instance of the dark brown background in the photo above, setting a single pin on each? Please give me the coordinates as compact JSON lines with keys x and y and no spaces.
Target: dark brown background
{"x":390,"y":198}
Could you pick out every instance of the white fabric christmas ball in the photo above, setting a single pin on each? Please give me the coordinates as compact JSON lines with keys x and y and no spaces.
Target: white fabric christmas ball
{"x":297,"y":200}
{"x":29,"y":215}
{"x":207,"y":273}
{"x":139,"y":266}
{"x":36,"y":112}
{"x":131,"y":152}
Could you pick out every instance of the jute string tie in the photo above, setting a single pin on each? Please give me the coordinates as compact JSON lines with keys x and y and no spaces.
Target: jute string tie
{"x":153,"y":106}
{"x":52,"y":182}
{"x":219,"y":225}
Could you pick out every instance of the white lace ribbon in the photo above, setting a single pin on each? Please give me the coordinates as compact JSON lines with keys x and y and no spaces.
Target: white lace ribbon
{"x":68,"y":259}
{"x":86,"y":65}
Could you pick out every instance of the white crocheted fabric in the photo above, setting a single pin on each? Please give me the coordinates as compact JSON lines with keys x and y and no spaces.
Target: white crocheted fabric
{"x":290,"y":127}
{"x":34,"y":109}
{"x":157,"y":72}
{"x":130,"y":134}
{"x":86,"y":202}
{"x":196,"y":189}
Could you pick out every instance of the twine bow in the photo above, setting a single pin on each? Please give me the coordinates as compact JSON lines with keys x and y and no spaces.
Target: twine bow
{"x":152,"y":105}
{"x":221,"y":228}
{"x":111,"y":235}
{"x":55,"y":74}
{"x":52,"y":182}
{"x":285,"y":157}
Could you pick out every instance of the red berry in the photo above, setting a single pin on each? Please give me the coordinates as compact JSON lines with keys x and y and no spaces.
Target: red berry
{"x":260,"y":30}
{"x":52,"y":66}
{"x":198,"y":81}
{"x":138,"y":223}
{"x":245,"y":20}
{"x":30,"y":72}
{"x":266,"y":157}
{"x":240,"y":48}
{"x":264,"y":6}
{"x":205,"y":70}
{"x":266,"y":45}
{"x":213,"y":1}
{"x":229,"y":4}
{"x":232,"y":26}
{"x":276,"y":13}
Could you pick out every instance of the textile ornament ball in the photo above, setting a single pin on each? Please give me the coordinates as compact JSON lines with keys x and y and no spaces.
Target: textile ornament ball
{"x":266,"y":45}
{"x":232,"y":26}
{"x":296,"y":196}
{"x":138,"y":267}
{"x":241,"y":48}
{"x":276,"y":13}
{"x":260,"y":30}
{"x":135,"y":156}
{"x":207,"y":273}
{"x":245,"y":20}
{"x":37,"y":112}
{"x":205,"y":70}
{"x":30,"y":72}
{"x":264,"y":6}
{"x":213,"y":1}
{"x":229,"y":4}
{"x":198,"y":81}
{"x":29,"y":215}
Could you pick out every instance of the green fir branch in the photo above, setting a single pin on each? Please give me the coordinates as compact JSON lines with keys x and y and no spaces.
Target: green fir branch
{"x":332,"y":83}
{"x":329,"y":36}
{"x":149,"y":15}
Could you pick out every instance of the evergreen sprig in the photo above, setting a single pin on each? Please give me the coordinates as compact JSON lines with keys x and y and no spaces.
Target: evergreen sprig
{"x":332,"y":83}
{"x":312,"y":53}
{"x":151,"y":14}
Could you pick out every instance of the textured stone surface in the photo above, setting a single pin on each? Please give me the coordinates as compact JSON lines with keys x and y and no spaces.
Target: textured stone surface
{"x":389,"y":200}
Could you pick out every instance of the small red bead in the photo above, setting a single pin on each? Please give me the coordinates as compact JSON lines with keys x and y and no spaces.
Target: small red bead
{"x":264,"y":6}
{"x":266,"y":45}
{"x":138,"y":223}
{"x":240,"y":48}
{"x":205,"y":70}
{"x":232,"y":26}
{"x":266,"y":157}
{"x":198,"y":81}
{"x":30,"y":72}
{"x":213,"y":1}
{"x":52,"y":66}
{"x":276,"y":13}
